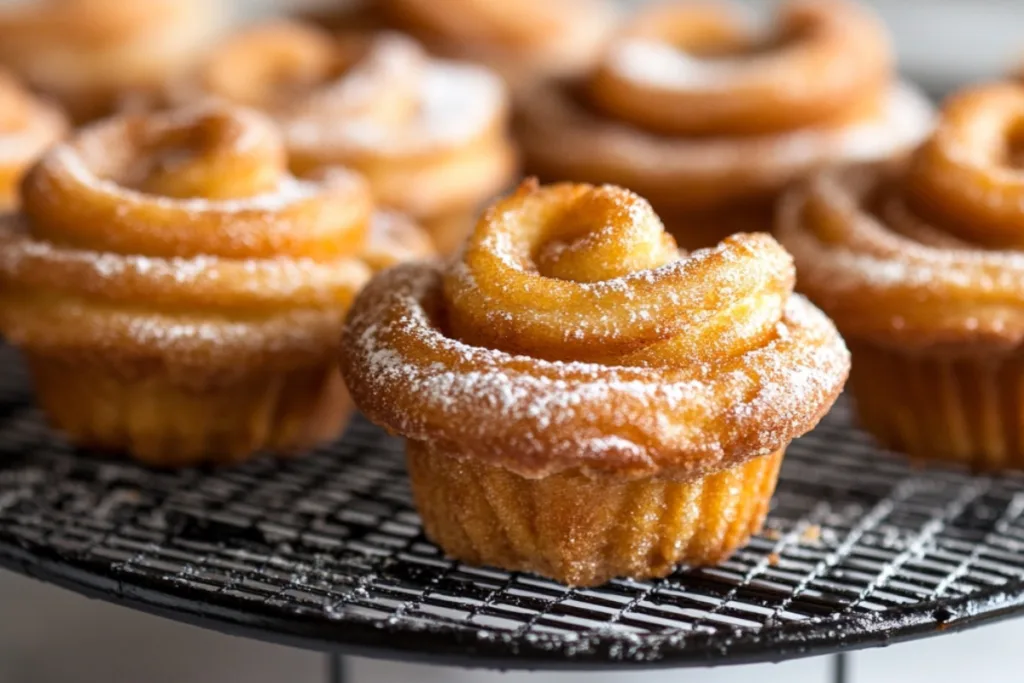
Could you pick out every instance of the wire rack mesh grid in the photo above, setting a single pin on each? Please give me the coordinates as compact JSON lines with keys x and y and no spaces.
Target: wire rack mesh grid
{"x":326,"y":551}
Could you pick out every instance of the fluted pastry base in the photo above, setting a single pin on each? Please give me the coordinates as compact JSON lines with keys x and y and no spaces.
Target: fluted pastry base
{"x":162,"y":423}
{"x":583,"y":531}
{"x":965,"y":410}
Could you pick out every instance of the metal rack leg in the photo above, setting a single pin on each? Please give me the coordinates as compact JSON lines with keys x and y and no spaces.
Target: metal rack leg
{"x":841,"y":668}
{"x":335,"y":668}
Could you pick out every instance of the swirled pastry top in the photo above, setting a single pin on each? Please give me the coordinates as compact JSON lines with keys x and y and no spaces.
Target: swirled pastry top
{"x":27,"y":127}
{"x":930,"y":255}
{"x":693,"y":108}
{"x":184,"y":232}
{"x":552,"y":38}
{"x":428,"y":134}
{"x":571,"y":333}
{"x":87,"y":52}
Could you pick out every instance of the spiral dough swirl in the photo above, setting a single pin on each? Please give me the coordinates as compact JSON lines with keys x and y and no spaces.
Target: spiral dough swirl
{"x":182,"y":236}
{"x":928,"y":256}
{"x":571,"y":333}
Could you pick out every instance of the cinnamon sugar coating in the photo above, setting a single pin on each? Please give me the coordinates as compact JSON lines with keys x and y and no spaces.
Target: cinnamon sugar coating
{"x":582,"y":530}
{"x":94,"y":56}
{"x":429,"y":135}
{"x":28,"y":126}
{"x":571,"y":336}
{"x":925,"y":256}
{"x":698,"y":113}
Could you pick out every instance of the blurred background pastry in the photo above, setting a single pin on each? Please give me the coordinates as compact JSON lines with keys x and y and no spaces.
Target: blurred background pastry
{"x":523,"y":41}
{"x":430,"y":135}
{"x":95,"y":56}
{"x":709,"y":118}
{"x":922,"y":268}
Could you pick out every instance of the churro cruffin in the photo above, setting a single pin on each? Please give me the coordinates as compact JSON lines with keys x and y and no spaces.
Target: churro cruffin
{"x":96,"y":56}
{"x":710,"y":120}
{"x":430,"y":135}
{"x":921,"y":268}
{"x":179,"y":295}
{"x":28,"y":126}
{"x":583,"y":400}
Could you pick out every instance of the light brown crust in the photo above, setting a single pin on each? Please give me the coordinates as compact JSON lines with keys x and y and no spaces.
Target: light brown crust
{"x":570,"y":336}
{"x":694,"y":133}
{"x":429,"y":135}
{"x":95,"y":55}
{"x":925,"y":258}
{"x":28,"y":126}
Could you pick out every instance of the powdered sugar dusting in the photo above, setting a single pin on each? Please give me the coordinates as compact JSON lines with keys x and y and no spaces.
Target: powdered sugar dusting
{"x":455,"y":103}
{"x":289,"y":190}
{"x":662,"y":65}
{"x":541,"y":413}
{"x":231,"y":275}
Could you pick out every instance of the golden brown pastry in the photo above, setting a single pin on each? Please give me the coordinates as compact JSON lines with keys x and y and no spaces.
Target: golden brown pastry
{"x":523,"y":40}
{"x":922,"y":268}
{"x":709,"y":121}
{"x":27,"y":127}
{"x":96,"y":55}
{"x":583,"y":401}
{"x":179,"y":295}
{"x":430,"y":135}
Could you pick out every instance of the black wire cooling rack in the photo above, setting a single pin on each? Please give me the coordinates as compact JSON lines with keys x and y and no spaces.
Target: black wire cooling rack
{"x":325,"y":551}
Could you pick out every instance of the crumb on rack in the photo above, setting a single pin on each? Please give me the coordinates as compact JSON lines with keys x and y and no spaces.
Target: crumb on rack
{"x":812,"y":534}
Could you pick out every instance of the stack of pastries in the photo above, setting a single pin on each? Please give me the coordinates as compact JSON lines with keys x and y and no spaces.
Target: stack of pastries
{"x":246,"y":245}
